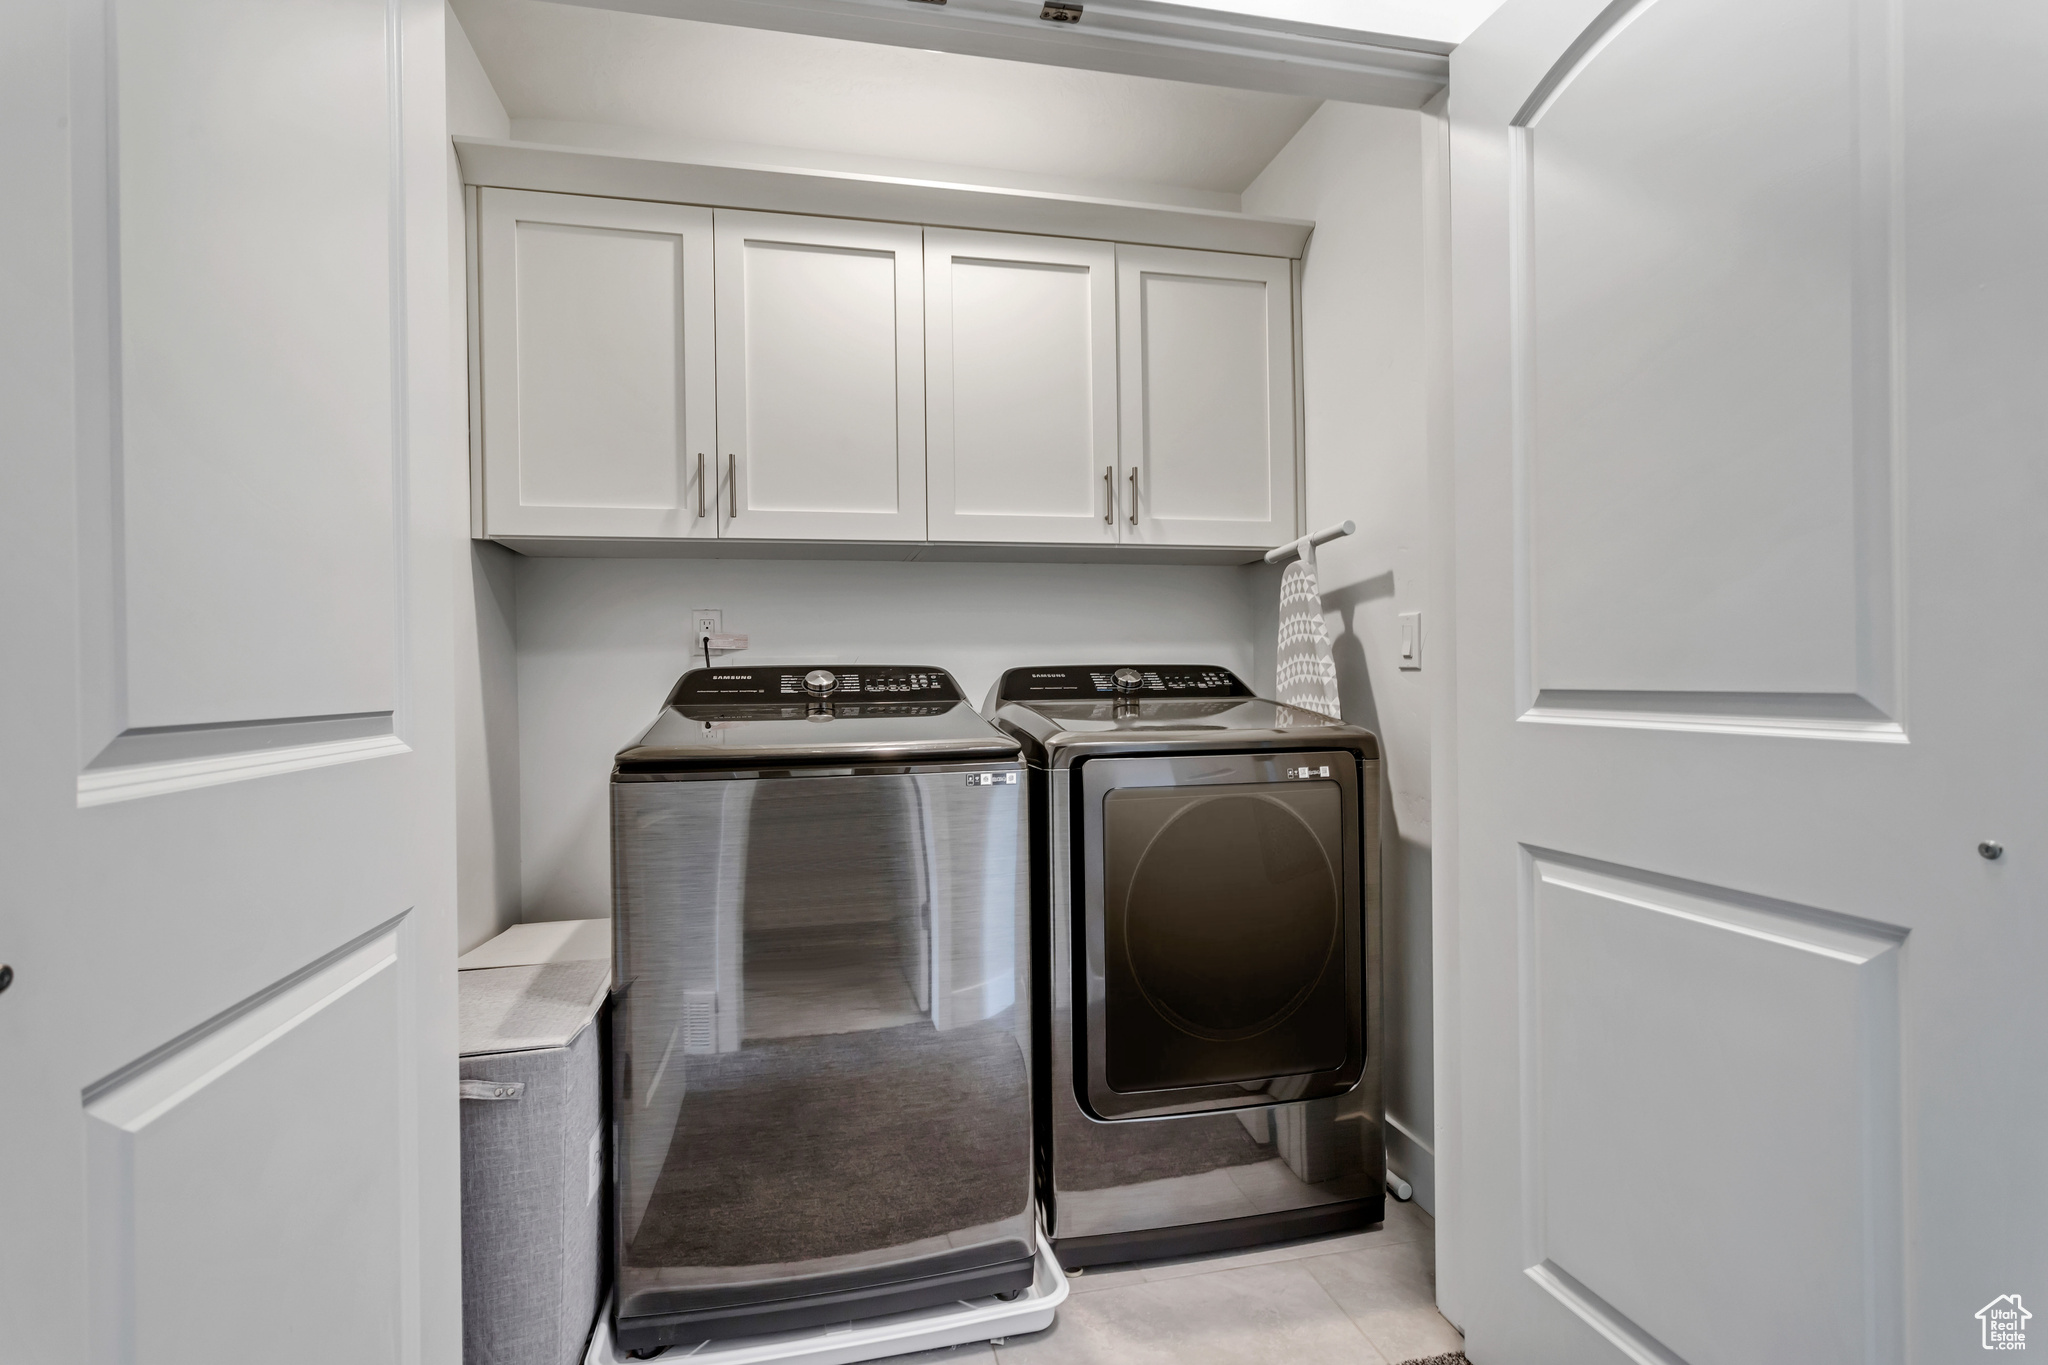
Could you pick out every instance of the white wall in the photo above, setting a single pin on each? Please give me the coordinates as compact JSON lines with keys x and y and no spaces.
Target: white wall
{"x":601,"y":641}
{"x":487,"y":745}
{"x":486,"y":705}
{"x":1357,"y":172}
{"x":651,"y":85}
{"x":474,"y":109}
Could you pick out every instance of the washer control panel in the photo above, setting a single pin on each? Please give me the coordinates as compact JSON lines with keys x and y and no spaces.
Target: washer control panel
{"x":1088,"y":682}
{"x":798,"y":682}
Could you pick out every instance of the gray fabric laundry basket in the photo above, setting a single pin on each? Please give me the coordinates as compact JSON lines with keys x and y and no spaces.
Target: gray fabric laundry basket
{"x":533,"y":1160}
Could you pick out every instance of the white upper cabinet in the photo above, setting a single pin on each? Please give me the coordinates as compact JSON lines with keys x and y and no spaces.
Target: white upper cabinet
{"x":820,"y":378}
{"x":662,"y":372}
{"x":1206,"y":341}
{"x":598,"y":373}
{"x":1021,"y":363}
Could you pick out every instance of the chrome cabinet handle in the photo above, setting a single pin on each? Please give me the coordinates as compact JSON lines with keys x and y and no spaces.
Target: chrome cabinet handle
{"x":700,"y":484}
{"x":1134,"y":495}
{"x":732,"y":485}
{"x":1108,"y":495}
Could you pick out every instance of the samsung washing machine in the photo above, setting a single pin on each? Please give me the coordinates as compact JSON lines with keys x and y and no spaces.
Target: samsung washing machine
{"x":1205,"y":898}
{"x":821,"y":1091}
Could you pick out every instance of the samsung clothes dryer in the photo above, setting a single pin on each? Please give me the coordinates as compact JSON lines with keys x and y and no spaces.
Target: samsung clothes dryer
{"x":821,"y":1088}
{"x":1206,"y":910}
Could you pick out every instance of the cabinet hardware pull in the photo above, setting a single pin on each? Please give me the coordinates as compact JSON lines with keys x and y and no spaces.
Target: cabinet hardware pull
{"x":700,"y":484}
{"x":1134,"y":495}
{"x":732,"y":484}
{"x":1108,"y":496}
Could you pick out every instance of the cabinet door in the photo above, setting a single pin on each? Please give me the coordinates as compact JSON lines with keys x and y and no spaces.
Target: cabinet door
{"x":820,"y":378}
{"x":1021,"y":363}
{"x":1206,"y":341}
{"x":597,"y":367}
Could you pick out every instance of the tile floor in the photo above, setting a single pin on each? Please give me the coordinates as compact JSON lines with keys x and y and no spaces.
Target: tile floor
{"x":1365,"y":1298}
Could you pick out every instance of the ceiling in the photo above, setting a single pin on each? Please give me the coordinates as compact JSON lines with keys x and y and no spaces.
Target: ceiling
{"x":607,"y":77}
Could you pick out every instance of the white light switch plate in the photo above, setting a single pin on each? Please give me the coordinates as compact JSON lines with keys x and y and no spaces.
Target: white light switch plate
{"x":1411,"y":639}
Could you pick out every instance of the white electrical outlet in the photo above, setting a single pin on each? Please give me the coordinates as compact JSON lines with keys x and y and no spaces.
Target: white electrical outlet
{"x":707,"y":632}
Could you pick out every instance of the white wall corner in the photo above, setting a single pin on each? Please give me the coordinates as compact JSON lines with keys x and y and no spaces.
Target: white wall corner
{"x":488,"y":895}
{"x":474,"y":109}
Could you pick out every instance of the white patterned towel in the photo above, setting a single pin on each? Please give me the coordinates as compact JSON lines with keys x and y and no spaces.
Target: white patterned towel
{"x":1307,"y":673}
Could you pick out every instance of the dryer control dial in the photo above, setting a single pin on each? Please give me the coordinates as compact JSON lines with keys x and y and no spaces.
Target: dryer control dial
{"x":1127,"y":679}
{"x":821,"y":682}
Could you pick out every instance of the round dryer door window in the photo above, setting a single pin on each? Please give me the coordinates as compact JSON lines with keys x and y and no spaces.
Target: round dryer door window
{"x":1227,"y":930}
{"x":1231,"y":917}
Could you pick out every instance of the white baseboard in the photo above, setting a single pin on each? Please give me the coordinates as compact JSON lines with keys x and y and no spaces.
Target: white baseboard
{"x":1414,"y":1161}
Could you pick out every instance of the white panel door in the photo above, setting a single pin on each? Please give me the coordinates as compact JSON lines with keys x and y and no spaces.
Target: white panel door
{"x":1020,"y":366}
{"x":233,"y":520}
{"x":1207,"y":392}
{"x":1750,"y":313}
{"x":598,"y":374}
{"x":820,"y":378}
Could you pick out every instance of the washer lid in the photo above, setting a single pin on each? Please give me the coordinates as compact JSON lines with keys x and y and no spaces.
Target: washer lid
{"x":809,"y":714}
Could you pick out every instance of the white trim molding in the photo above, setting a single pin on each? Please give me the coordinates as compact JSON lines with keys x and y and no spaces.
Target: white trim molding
{"x":1789,"y":715}
{"x":1414,"y":1159}
{"x":498,"y":164}
{"x":104,"y":786}
{"x":1131,"y":37}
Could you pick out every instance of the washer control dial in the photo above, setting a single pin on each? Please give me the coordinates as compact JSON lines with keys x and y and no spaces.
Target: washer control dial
{"x":1127,"y":679}
{"x":821,"y":682}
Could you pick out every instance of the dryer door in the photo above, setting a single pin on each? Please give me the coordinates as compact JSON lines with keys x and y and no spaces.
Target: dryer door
{"x":1220,"y":906}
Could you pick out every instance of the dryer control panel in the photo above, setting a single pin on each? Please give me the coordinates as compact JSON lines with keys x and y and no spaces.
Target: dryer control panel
{"x":774,"y":684}
{"x":1091,"y":682}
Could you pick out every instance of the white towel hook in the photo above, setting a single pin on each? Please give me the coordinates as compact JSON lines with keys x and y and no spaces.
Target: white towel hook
{"x":1322,"y":537}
